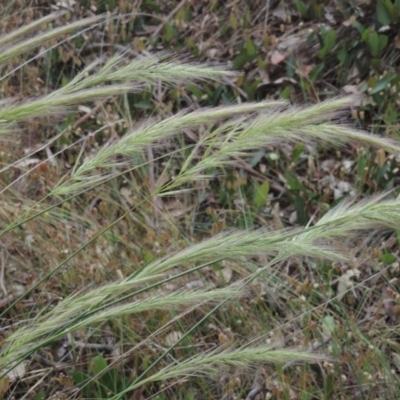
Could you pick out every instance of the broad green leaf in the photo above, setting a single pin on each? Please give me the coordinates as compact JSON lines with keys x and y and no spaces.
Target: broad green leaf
{"x":322,"y":53}
{"x":285,"y":93}
{"x":382,"y":84}
{"x":188,"y":14}
{"x":261,"y":194}
{"x":98,"y":364}
{"x":297,"y":151}
{"x":388,"y":258}
{"x":111,"y":380}
{"x":273,"y":156}
{"x":170,"y":32}
{"x":375,"y":63}
{"x":241,"y":60}
{"x":300,"y":206}
{"x":360,"y":28}
{"x":365,"y":34}
{"x":40,"y":396}
{"x":256,"y":158}
{"x":290,"y":66}
{"x":383,"y":12}
{"x":233,"y":21}
{"x":83,"y":381}
{"x":329,"y":326}
{"x":396,"y":7}
{"x":147,"y":255}
{"x":330,"y":39}
{"x":329,"y":383}
{"x":196,"y":91}
{"x":301,"y":8}
{"x":294,"y":183}
{"x":361,"y":166}
{"x":383,"y":41}
{"x":251,"y":49}
{"x":343,"y":56}
{"x":316,"y":72}
{"x":373,"y":44}
{"x":261,"y":63}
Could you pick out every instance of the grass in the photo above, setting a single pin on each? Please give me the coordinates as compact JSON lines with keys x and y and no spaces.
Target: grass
{"x":101,"y":254}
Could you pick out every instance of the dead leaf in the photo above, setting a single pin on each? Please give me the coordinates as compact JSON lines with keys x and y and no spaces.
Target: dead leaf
{"x":284,"y":80}
{"x":345,"y":282}
{"x":66,"y":380}
{"x":212,"y":53}
{"x":227,"y":273}
{"x":84,"y":109}
{"x":27,"y":162}
{"x":127,"y":195}
{"x":397,"y":41}
{"x":17,"y":373}
{"x":172,"y":338}
{"x":306,"y":69}
{"x":352,"y":89}
{"x":380,"y":157}
{"x":4,"y":385}
{"x":195,"y":284}
{"x":388,"y":302}
{"x":396,"y":359}
{"x":351,"y":21}
{"x":277,"y":57}
{"x":66,"y":4}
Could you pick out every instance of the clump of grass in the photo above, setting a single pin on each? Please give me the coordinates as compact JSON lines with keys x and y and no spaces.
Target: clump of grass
{"x":228,"y":132}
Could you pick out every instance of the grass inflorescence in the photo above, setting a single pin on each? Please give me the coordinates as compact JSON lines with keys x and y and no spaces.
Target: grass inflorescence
{"x":105,"y":275}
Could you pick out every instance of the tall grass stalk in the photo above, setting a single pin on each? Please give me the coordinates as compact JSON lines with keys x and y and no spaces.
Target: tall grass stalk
{"x":228,"y":132}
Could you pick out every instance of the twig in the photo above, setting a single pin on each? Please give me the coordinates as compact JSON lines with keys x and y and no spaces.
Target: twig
{"x":3,"y":266}
{"x":94,"y":346}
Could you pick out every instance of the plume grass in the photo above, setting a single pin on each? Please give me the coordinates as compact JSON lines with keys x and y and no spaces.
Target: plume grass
{"x":229,"y":132}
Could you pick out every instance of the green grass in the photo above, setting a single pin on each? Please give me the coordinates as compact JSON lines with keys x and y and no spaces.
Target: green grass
{"x":95,"y":254}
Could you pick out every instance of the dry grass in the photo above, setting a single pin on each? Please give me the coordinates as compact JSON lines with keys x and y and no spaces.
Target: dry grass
{"x":115,"y":281}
